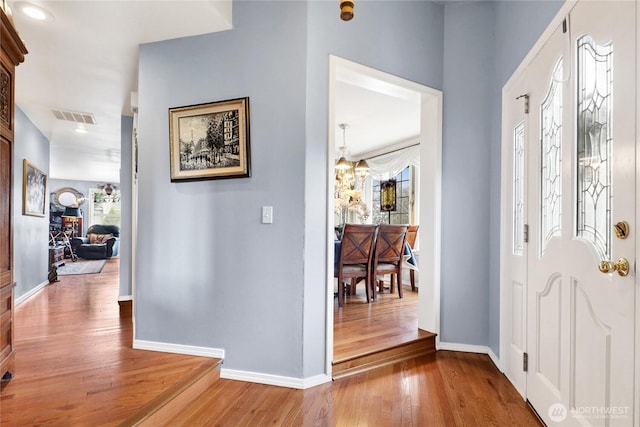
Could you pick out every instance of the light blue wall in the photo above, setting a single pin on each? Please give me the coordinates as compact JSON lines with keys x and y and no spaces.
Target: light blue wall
{"x":518,"y":25}
{"x":468,"y":73}
{"x":126,"y":133}
{"x":401,"y":38}
{"x":30,"y":233}
{"x":484,"y":43}
{"x":209,"y":273}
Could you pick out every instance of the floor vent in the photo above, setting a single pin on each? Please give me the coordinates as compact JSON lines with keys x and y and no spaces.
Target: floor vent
{"x":72,"y":116}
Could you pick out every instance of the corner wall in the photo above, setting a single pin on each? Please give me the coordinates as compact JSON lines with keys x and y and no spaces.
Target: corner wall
{"x":404,"y":39}
{"x":468,"y":74}
{"x":126,"y":168}
{"x":518,"y":25}
{"x":208,"y":273}
{"x":484,"y":43}
{"x":30,"y":233}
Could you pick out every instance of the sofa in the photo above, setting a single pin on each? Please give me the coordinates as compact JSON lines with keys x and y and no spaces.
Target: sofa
{"x":101,"y":242}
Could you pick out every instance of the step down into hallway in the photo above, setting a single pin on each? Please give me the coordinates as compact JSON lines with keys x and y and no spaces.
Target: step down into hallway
{"x":175,"y":399}
{"x":423,"y":345}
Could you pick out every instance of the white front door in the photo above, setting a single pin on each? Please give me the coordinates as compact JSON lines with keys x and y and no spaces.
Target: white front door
{"x":580,"y":183}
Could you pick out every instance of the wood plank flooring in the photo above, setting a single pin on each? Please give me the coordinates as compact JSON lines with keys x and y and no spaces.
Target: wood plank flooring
{"x":367,"y":336}
{"x":75,"y":367}
{"x":74,"y":361}
{"x":360,"y":327}
{"x":443,"y":389}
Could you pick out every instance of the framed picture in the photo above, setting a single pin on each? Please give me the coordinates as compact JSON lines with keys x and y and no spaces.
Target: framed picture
{"x":210,"y":141}
{"x":34,"y":189}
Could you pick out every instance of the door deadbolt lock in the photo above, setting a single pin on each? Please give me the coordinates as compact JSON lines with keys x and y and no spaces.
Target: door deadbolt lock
{"x":621,"y":266}
{"x":622,"y":229}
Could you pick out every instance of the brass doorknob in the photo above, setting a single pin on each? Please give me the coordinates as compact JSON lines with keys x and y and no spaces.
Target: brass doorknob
{"x":621,"y":266}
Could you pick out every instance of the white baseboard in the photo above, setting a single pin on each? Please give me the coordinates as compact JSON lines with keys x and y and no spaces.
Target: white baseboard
{"x":276,"y":380}
{"x":31,"y":293}
{"x":469,"y":348}
{"x":190,"y":350}
{"x":231,"y":374}
{"x":125,"y":298}
{"x":495,"y":359}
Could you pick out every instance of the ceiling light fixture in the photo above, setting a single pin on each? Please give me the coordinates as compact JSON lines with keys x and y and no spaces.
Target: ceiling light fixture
{"x":33,"y":11}
{"x":348,"y":201}
{"x":343,"y":165}
{"x":346,"y":10}
{"x":362,"y":167}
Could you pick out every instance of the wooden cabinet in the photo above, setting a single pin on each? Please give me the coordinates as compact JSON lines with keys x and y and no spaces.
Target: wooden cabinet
{"x":56,"y":254}
{"x":12,"y":53}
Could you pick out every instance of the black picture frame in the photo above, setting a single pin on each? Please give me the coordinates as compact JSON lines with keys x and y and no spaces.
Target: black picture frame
{"x":34,"y":190}
{"x":210,"y":141}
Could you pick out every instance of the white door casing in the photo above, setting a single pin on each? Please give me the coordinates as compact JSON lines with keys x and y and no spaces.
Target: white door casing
{"x":429,"y":186}
{"x":580,"y":136}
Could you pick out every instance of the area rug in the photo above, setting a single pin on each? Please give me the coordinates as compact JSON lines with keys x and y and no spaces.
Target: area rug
{"x":81,"y":266}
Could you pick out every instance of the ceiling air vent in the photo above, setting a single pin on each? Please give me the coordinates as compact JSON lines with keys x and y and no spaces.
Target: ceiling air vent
{"x":72,"y":116}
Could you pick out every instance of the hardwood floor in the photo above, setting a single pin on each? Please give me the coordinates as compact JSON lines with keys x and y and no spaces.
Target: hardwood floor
{"x":360,"y":327}
{"x":444,"y":389}
{"x":75,"y":367}
{"x":367,"y":336}
{"x":74,"y":361}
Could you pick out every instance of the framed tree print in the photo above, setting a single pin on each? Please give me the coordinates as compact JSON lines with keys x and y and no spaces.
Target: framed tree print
{"x":210,"y":141}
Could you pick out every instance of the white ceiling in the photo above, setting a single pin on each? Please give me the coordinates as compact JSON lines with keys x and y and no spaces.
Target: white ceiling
{"x":86,"y":61}
{"x":379,"y":114}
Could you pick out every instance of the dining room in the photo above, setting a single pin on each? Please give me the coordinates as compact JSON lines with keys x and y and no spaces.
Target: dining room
{"x":376,"y":269}
{"x":376,"y":185}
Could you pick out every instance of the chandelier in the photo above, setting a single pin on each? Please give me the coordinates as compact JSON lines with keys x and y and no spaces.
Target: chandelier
{"x":349,"y":183}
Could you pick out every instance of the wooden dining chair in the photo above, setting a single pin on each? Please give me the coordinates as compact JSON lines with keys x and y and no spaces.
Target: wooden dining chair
{"x":356,"y":255}
{"x":412,"y":234}
{"x":388,"y":255}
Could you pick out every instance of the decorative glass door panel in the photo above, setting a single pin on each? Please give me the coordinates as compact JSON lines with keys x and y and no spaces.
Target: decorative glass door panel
{"x":594,"y":144}
{"x":551,"y":145}
{"x":518,"y":189}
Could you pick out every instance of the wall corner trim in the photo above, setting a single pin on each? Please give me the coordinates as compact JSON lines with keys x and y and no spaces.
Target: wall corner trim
{"x":276,"y":380}
{"x":190,"y":350}
{"x":31,"y":293}
{"x":469,"y":348}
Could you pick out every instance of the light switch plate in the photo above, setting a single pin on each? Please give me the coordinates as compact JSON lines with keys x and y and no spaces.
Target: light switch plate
{"x":267,"y":214}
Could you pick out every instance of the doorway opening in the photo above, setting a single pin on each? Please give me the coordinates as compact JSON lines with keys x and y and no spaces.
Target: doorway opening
{"x":429,"y":141}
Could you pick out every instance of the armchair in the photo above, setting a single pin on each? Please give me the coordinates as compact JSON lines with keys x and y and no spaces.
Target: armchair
{"x":102,"y":241}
